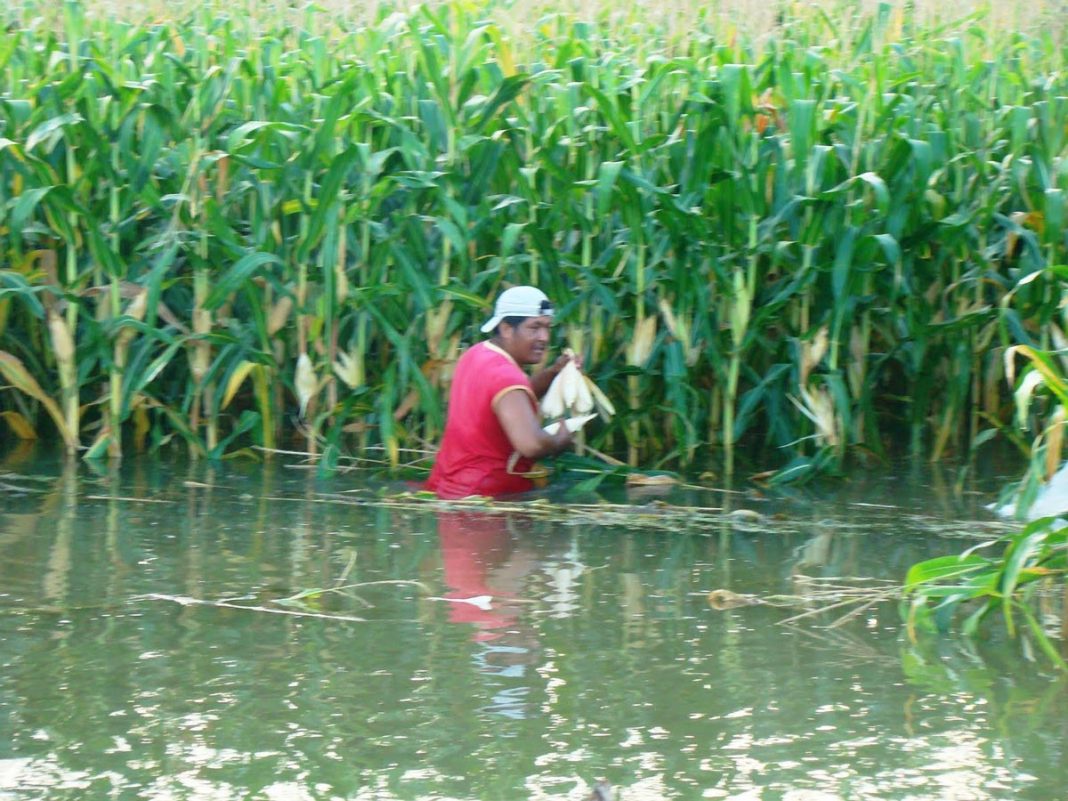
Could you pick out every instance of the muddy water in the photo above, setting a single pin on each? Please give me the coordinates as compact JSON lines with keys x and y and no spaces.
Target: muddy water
{"x":250,"y":632}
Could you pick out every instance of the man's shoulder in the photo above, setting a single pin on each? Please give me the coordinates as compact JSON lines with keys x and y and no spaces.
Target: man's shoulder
{"x":485,"y":352}
{"x":485,"y":361}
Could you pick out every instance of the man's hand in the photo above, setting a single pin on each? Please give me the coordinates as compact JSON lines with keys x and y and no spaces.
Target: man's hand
{"x":562,"y":439}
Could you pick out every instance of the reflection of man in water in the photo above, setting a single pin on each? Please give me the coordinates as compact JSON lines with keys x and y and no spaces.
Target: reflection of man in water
{"x":485,"y":569}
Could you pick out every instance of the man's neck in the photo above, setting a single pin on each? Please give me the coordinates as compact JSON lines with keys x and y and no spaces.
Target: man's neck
{"x":495,"y":345}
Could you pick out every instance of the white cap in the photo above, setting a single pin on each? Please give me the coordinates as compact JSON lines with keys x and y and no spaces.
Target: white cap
{"x":519,"y":301}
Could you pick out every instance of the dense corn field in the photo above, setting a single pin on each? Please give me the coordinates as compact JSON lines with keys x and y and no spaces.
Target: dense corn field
{"x":231,"y":229}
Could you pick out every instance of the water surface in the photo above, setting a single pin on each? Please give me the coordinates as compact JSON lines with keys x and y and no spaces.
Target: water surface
{"x":174,"y":631}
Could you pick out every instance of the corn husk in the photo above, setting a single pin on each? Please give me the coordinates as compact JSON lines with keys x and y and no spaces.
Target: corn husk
{"x":641,"y":345}
{"x":552,"y":403}
{"x":349,"y":369}
{"x":573,"y":424}
{"x":62,"y":342}
{"x":569,"y":381}
{"x":1054,"y":442}
{"x":600,"y":400}
{"x":305,"y":382}
{"x":279,"y":315}
{"x":572,"y":392}
{"x":135,"y":309}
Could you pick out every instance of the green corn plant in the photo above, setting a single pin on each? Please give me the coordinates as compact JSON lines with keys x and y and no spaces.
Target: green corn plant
{"x":312,"y":187}
{"x":1006,"y":583}
{"x":1030,"y":560}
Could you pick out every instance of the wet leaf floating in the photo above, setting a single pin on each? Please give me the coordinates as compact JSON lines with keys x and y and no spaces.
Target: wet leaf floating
{"x":483,"y":602}
{"x":746,"y":516}
{"x":184,"y":600}
{"x":655,"y":480}
{"x":726,"y":599}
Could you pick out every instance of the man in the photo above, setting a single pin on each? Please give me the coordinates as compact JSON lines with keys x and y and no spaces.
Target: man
{"x":493,"y":432}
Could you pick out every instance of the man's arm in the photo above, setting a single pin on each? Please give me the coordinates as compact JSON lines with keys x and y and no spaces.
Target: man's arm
{"x":524,"y":431}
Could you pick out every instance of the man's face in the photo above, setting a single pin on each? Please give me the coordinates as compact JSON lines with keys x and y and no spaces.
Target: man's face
{"x":527,"y":342}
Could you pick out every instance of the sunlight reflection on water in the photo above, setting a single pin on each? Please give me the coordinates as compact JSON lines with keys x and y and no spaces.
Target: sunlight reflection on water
{"x":256,"y":638}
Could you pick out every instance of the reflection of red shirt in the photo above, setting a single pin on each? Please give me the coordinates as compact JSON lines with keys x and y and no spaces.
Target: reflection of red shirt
{"x":471,"y":546}
{"x":474,"y":454}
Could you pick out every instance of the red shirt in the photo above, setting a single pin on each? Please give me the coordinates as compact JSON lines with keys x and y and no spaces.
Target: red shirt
{"x":474,"y":454}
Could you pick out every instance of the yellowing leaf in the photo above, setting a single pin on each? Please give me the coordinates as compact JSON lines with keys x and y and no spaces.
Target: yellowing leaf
{"x":671,"y":321}
{"x":20,"y":425}
{"x":237,"y":378}
{"x":604,"y":406}
{"x":504,"y":52}
{"x":16,"y":374}
{"x":142,"y":425}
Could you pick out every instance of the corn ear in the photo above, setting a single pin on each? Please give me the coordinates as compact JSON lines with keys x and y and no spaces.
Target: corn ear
{"x":812,"y":353}
{"x":641,"y":346}
{"x":818,"y":407}
{"x":279,"y":315}
{"x":135,"y":309}
{"x":569,"y":384}
{"x":1054,"y":442}
{"x":583,"y":396}
{"x":62,"y":342}
{"x":1022,"y":395}
{"x":741,"y":308}
{"x":341,"y":281}
{"x":436,"y":321}
{"x":349,"y":369}
{"x":568,"y":392}
{"x":306,"y":383}
{"x":552,"y":402}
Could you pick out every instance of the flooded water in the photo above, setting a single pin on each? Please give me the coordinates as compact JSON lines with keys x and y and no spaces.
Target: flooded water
{"x":251,"y":632}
